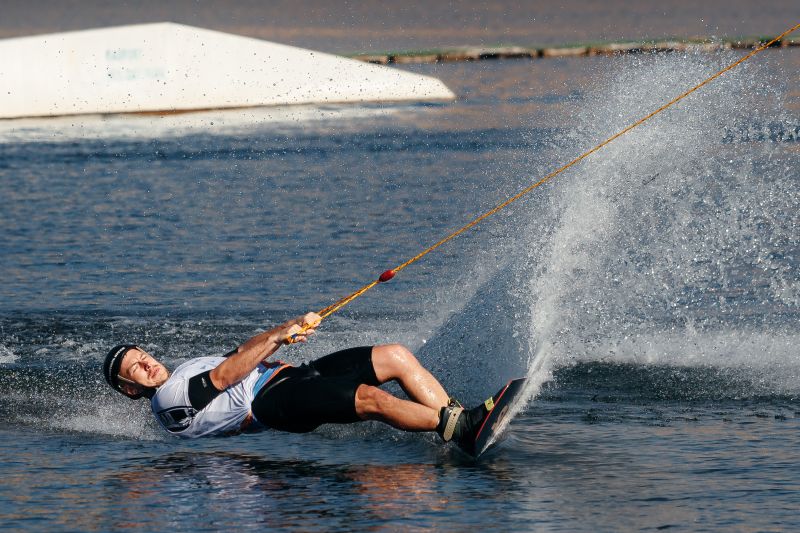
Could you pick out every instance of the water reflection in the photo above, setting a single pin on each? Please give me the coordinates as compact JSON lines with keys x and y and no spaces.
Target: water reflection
{"x":233,"y":489}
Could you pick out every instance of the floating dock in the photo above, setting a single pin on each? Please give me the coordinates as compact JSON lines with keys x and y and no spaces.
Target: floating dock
{"x":167,"y":68}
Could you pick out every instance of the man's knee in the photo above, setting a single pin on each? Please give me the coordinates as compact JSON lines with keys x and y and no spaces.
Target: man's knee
{"x":371,"y":401}
{"x":395,"y":356}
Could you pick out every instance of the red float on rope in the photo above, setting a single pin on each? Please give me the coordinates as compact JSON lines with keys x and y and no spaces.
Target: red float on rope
{"x":386,"y":276}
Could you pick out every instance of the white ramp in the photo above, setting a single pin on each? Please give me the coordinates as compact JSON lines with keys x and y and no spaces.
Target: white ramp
{"x":168,"y":67}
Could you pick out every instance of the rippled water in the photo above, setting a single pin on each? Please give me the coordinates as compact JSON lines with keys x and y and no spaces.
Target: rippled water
{"x":652,"y":295}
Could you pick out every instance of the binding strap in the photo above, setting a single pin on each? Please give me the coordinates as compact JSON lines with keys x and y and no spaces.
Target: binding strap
{"x":452,"y":419}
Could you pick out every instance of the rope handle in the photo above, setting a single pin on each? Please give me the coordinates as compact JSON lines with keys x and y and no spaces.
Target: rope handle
{"x":292,"y":339}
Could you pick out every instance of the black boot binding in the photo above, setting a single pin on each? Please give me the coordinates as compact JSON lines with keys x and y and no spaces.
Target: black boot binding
{"x":462,"y":425}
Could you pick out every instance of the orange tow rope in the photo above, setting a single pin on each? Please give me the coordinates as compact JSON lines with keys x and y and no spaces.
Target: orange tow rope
{"x":389,"y":274}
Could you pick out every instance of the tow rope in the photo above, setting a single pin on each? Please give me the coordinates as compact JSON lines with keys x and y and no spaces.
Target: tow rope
{"x":389,"y":274}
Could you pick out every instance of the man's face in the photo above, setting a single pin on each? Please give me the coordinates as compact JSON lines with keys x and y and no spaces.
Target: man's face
{"x":140,"y":367}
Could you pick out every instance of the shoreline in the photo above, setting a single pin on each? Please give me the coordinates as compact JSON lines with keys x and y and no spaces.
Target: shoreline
{"x":483,"y":53}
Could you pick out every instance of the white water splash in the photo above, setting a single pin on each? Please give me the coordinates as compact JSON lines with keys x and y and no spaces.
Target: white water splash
{"x":671,"y":246}
{"x":7,"y":356}
{"x":109,"y":416}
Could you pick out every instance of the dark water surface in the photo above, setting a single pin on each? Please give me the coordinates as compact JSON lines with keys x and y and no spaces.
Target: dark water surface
{"x":652,"y":296}
{"x":373,"y":25}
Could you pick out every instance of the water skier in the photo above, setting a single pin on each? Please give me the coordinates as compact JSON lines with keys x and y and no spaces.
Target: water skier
{"x":242,"y":391}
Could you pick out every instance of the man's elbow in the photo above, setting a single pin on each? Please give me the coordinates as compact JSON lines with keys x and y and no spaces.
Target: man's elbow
{"x":220,"y":379}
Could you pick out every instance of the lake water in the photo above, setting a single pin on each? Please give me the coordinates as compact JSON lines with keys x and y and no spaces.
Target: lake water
{"x":651,"y":294}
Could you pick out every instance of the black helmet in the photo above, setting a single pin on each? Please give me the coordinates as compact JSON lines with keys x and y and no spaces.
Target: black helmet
{"x":111,"y":368}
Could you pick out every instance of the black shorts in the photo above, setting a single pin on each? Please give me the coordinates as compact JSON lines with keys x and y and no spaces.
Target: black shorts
{"x":299,"y":399}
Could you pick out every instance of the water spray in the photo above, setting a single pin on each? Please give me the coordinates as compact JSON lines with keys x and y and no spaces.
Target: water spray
{"x":389,"y":274}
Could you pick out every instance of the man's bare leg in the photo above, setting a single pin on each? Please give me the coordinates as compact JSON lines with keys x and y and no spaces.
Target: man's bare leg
{"x":396,"y":362}
{"x":373,"y":403}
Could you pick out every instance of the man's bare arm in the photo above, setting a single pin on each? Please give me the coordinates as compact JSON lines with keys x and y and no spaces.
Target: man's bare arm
{"x":247,"y":356}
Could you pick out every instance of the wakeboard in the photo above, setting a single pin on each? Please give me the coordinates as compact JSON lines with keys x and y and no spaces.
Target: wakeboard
{"x":499,"y":407}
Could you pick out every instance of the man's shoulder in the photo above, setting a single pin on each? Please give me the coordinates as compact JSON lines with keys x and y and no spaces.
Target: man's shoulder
{"x":194,"y":366}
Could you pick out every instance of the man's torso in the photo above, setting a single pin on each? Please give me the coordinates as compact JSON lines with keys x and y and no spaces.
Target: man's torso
{"x":225,"y":414}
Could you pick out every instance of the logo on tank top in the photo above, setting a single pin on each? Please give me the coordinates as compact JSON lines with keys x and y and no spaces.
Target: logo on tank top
{"x":176,"y":419}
